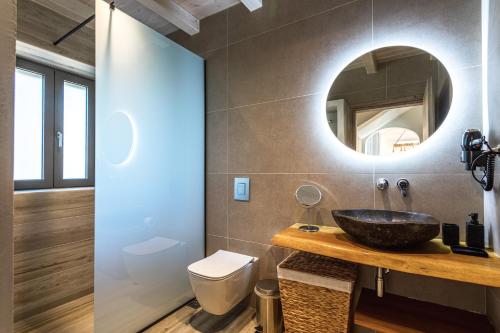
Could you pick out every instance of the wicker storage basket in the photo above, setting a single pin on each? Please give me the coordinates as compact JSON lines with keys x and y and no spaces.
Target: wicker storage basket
{"x":316,"y":293}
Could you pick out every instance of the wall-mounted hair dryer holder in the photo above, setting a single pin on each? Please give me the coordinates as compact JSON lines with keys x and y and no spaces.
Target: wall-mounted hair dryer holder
{"x":475,"y":157}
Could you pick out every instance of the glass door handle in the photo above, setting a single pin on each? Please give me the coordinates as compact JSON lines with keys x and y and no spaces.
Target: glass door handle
{"x":59,"y":138}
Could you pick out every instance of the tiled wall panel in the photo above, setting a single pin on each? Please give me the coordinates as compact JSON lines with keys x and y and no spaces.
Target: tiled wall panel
{"x":492,"y":199}
{"x":268,"y":73}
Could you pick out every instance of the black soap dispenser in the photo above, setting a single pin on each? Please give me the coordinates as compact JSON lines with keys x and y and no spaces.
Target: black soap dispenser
{"x":475,"y":232}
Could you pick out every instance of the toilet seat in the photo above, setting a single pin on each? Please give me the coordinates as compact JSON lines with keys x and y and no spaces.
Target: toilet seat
{"x":220,"y":265}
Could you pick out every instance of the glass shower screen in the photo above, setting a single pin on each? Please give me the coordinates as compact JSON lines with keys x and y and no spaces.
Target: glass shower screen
{"x":149,"y":184}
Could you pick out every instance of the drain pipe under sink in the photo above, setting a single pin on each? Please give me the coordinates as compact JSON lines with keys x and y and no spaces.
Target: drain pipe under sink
{"x":380,"y":281}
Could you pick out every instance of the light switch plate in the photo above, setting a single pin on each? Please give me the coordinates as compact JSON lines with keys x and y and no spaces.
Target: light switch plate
{"x":242,"y":188}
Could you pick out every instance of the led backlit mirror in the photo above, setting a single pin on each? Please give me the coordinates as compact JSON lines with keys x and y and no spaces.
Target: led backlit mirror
{"x":389,"y":100}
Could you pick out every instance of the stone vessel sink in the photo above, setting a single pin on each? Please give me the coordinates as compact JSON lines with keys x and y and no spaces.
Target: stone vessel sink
{"x":386,"y":228}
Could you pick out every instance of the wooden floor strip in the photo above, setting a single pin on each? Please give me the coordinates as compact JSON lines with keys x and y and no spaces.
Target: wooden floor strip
{"x":74,"y":316}
{"x":188,"y":320}
{"x":77,"y":317}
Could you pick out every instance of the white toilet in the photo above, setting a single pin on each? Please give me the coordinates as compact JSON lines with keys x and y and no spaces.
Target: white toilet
{"x":222,"y":280}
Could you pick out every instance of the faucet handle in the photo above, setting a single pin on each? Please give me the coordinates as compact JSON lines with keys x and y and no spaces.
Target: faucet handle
{"x":403,"y":185}
{"x":382,"y":184}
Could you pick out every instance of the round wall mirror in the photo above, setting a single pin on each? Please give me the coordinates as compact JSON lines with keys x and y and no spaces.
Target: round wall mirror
{"x":389,"y":100}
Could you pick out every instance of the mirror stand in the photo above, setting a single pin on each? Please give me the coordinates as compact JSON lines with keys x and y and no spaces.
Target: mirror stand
{"x":309,"y":227}
{"x":308,"y":196}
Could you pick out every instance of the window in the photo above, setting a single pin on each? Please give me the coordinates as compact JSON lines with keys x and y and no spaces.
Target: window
{"x":54,"y":128}
{"x":29,"y":121}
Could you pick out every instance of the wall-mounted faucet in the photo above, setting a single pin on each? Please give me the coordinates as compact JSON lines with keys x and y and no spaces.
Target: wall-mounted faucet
{"x":403,"y":185}
{"x":382,"y":184}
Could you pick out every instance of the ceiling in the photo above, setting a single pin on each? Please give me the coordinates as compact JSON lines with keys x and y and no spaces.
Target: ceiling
{"x":76,"y":10}
{"x":164,"y":16}
{"x":41,"y":22}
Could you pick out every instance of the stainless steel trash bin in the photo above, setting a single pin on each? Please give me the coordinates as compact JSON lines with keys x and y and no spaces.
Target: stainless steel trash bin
{"x":269,"y":316}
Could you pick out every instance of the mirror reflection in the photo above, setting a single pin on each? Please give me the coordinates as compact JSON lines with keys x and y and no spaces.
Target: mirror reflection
{"x":389,"y":100}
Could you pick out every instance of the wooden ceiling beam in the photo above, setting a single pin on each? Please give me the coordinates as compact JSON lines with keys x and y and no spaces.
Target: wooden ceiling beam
{"x":252,"y":4}
{"x":204,"y":8}
{"x":173,"y":13}
{"x":370,"y":63}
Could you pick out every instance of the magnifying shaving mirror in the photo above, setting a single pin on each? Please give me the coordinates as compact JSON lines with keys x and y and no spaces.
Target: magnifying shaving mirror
{"x":308,"y":196}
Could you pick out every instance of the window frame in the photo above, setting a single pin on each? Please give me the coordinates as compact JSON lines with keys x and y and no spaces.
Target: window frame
{"x":53,"y":120}
{"x":59,"y":181}
{"x":48,"y":127}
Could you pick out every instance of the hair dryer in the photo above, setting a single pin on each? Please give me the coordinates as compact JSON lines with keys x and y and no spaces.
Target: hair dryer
{"x":475,"y":157}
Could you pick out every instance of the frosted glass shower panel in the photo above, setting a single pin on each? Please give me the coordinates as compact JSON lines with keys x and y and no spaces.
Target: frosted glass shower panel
{"x":149,"y":172}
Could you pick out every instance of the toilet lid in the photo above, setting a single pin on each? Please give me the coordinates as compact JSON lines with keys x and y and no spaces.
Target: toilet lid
{"x":220,"y":264}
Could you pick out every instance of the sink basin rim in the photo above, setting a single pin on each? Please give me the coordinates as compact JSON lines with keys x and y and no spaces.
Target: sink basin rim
{"x":381,"y":232}
{"x":419,"y":218}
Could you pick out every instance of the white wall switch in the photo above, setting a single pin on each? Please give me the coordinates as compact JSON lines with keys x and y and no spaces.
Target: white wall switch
{"x":242,"y":188}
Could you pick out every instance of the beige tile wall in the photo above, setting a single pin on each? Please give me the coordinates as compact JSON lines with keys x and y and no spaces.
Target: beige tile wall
{"x":7,"y":65}
{"x":268,"y":73}
{"x":492,"y":199}
{"x":492,"y":202}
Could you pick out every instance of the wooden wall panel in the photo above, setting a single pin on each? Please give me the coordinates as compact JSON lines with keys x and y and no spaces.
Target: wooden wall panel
{"x":53,"y":249}
{"x":35,"y":202}
{"x":7,"y":65}
{"x":48,"y":291}
{"x":44,"y":234}
{"x":33,"y":264}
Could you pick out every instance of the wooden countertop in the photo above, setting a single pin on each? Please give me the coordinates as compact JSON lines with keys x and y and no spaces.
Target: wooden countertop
{"x":430,"y":259}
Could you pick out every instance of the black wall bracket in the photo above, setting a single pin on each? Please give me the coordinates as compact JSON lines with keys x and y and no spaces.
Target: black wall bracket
{"x":81,"y":25}
{"x":75,"y":29}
